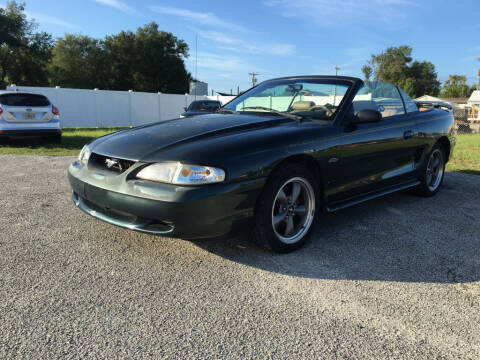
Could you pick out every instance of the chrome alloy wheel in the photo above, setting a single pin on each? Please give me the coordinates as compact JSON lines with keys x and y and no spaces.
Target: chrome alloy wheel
{"x":435,"y":168}
{"x":293,"y":210}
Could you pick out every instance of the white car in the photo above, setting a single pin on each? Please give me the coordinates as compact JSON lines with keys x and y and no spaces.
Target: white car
{"x":27,"y":114}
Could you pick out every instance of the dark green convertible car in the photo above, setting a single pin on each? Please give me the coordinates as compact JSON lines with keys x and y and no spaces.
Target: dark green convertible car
{"x":271,"y":161}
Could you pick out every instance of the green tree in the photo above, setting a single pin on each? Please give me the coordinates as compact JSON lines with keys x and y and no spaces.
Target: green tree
{"x":120,"y":52}
{"x":456,"y":87}
{"x":11,"y":25}
{"x":395,"y":65}
{"x":367,"y":72}
{"x":24,"y":52}
{"x":149,"y":60}
{"x":78,"y":62}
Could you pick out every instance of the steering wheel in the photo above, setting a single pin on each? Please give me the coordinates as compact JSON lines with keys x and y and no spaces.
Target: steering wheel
{"x":328,"y":111}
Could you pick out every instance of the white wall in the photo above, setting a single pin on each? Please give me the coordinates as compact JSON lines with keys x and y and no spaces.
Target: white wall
{"x":99,"y":108}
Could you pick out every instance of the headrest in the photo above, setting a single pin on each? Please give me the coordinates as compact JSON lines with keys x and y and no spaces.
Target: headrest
{"x":364,"y":104}
{"x":302,"y":105}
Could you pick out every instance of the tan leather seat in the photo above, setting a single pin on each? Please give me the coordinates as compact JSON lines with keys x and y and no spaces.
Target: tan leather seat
{"x":302,"y":105}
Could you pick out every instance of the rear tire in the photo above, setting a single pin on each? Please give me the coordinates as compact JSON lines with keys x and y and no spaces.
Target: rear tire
{"x":286,"y":211}
{"x":57,"y":138}
{"x":433,"y":172}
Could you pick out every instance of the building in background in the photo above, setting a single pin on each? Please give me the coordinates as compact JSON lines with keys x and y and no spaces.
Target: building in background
{"x":474,"y":101}
{"x":198,"y":88}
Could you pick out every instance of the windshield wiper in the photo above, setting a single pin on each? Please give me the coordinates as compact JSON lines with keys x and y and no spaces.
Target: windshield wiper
{"x":226,"y":111}
{"x":290,"y":116}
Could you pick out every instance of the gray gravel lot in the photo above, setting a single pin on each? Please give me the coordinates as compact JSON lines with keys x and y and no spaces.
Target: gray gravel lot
{"x":397,"y":277}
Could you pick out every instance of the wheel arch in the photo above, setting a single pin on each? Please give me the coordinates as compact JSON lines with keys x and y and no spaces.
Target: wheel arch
{"x":310,"y":163}
{"x":446,"y":145}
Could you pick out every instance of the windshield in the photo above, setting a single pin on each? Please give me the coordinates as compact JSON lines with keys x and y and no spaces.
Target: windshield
{"x":313,"y":98}
{"x":204,"y":106}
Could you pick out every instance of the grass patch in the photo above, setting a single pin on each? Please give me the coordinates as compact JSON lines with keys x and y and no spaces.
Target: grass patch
{"x":73,"y":140}
{"x":466,"y":157}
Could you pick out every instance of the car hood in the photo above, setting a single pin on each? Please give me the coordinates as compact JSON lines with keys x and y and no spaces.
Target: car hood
{"x":140,"y":142}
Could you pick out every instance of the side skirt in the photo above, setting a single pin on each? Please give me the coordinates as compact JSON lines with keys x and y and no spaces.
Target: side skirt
{"x":361,"y":199}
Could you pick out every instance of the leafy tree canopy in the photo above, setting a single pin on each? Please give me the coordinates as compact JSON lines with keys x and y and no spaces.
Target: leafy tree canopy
{"x":148,"y":60}
{"x":456,"y":87}
{"x":78,"y":62}
{"x":24,"y":52}
{"x":395,"y":65}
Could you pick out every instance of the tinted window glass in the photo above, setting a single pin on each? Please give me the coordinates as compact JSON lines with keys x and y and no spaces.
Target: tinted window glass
{"x":24,"y":100}
{"x":380,"y":96}
{"x":409,"y":103}
{"x":204,"y":106}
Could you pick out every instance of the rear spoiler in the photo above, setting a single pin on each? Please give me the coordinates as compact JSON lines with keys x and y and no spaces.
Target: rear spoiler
{"x":434,"y":104}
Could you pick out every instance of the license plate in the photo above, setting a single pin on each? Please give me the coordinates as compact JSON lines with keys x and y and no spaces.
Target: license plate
{"x":29,"y":116}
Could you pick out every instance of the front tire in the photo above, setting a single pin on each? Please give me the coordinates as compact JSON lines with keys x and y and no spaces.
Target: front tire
{"x":286,"y":211}
{"x":433,"y":173}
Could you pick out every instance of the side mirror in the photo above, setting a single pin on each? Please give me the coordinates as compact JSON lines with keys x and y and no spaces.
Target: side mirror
{"x":367,"y":116}
{"x":184,"y":109}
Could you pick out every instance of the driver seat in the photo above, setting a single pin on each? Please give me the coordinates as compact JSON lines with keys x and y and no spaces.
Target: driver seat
{"x":302,"y":105}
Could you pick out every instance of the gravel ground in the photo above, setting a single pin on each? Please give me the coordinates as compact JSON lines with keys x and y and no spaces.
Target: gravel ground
{"x":396,"y":277}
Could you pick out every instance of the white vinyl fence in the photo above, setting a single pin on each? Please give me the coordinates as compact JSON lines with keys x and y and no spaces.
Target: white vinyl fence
{"x":105,"y":108}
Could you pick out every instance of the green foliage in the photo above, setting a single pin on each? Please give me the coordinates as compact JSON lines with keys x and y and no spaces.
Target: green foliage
{"x":395,"y":65}
{"x":148,"y":60}
{"x":456,"y":87}
{"x":12,"y":22}
{"x":78,"y":62}
{"x":367,"y":72}
{"x":24,"y":53}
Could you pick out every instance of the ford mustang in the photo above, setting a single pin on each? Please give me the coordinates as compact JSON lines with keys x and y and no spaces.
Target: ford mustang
{"x":272,"y":160}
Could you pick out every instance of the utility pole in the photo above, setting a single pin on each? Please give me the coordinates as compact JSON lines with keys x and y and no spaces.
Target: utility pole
{"x":336,"y":70}
{"x":478,"y":84}
{"x":254,"y":79}
{"x":335,"y":88}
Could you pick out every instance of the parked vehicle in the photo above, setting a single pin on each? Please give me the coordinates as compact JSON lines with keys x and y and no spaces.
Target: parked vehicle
{"x":272,"y":159}
{"x":27,"y":114}
{"x":201,"y":107}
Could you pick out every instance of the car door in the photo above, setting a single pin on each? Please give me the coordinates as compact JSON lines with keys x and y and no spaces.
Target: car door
{"x":375,"y":156}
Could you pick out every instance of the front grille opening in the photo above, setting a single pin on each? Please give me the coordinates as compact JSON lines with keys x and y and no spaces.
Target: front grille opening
{"x":110,"y":163}
{"x":158,"y":227}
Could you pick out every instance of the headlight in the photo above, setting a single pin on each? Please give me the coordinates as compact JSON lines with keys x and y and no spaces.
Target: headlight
{"x":84,"y":155}
{"x":181,"y":174}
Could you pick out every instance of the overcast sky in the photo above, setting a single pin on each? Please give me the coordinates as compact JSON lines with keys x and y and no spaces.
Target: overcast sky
{"x":284,"y":37}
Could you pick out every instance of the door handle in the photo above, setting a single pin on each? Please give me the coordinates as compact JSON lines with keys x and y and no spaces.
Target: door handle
{"x":408,"y":134}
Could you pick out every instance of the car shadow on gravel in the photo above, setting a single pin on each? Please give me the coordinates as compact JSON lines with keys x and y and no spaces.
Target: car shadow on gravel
{"x":400,"y":238}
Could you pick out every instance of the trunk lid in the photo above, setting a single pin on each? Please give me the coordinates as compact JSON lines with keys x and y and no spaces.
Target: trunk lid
{"x":26,"y":114}
{"x":25,"y":107}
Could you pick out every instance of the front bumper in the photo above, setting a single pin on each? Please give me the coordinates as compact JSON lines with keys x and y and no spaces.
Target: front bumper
{"x":164,"y":209}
